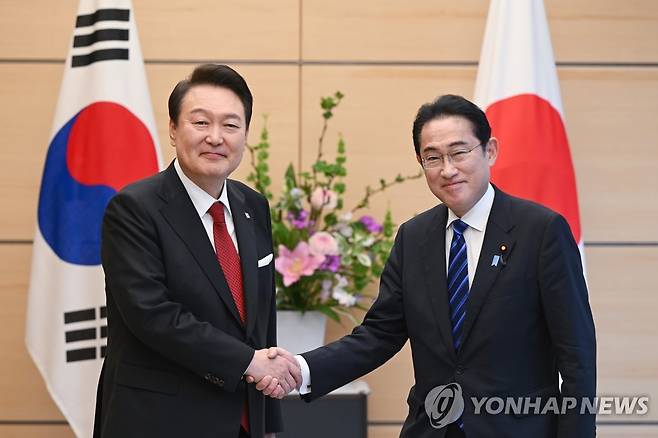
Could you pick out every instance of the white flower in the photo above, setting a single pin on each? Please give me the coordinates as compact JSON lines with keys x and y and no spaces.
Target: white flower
{"x":326,"y":290}
{"x":339,"y":293}
{"x":344,"y":298}
{"x":345,"y":230}
{"x":296,"y":193}
{"x":368,"y":241}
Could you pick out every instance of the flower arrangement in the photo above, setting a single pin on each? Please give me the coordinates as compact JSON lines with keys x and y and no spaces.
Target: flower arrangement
{"x":325,"y":255}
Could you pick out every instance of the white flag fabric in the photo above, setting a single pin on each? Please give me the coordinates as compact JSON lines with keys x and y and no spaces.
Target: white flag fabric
{"x":517,"y":86}
{"x":103,"y":138}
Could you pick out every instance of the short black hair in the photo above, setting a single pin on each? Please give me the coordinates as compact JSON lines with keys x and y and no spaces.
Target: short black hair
{"x":452,"y":105}
{"x":212,"y":74}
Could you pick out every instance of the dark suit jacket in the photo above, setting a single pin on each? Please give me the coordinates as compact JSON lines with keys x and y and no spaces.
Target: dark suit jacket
{"x":176,"y":348}
{"x":526,"y":320}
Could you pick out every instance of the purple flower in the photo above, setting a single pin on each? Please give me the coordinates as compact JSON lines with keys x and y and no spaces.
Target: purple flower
{"x":371,"y":224}
{"x":331,"y":263}
{"x":299,"y":220}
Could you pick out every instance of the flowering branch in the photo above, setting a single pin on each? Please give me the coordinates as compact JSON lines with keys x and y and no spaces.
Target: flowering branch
{"x":383,"y":185}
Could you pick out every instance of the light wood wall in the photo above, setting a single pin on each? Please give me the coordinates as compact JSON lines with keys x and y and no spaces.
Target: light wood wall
{"x":387,"y":57}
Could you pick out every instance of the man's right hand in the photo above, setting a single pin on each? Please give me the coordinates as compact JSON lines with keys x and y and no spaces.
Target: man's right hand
{"x":275,"y":370}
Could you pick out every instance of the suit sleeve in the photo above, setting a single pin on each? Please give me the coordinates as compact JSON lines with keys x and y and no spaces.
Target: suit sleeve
{"x":381,"y":335}
{"x":136,"y":282}
{"x":570,"y":323}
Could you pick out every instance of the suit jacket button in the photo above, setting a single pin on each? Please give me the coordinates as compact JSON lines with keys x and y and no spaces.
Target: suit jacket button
{"x":207,"y":376}
{"x":220,"y":382}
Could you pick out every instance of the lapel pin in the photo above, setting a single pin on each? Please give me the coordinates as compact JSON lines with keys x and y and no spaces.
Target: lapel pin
{"x":494,"y":261}
{"x":503,"y":251}
{"x":247,"y":215}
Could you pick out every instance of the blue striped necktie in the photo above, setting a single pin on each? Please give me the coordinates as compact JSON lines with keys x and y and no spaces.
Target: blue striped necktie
{"x":458,"y":281}
{"x":458,"y":287}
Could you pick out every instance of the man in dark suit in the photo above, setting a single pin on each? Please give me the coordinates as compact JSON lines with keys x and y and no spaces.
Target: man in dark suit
{"x":187,"y":256}
{"x":489,"y":290}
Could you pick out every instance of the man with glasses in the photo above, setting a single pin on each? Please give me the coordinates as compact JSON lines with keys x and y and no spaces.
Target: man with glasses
{"x":488,"y":288}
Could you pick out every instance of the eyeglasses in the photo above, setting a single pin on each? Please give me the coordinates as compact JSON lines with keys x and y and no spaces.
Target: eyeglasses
{"x":438,"y":160}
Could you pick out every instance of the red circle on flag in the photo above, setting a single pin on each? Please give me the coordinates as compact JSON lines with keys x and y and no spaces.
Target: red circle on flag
{"x":110,"y":146}
{"x":534,"y":160}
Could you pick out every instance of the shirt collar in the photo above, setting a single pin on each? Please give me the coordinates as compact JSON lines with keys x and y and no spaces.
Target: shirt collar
{"x":201,"y":200}
{"x":478,"y":215}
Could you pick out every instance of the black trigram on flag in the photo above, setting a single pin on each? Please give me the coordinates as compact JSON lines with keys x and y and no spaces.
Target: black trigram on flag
{"x":83,"y":332}
{"x":93,"y":30}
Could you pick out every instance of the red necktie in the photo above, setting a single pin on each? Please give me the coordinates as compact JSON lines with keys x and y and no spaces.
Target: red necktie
{"x":229,"y":260}
{"x":228,"y":257}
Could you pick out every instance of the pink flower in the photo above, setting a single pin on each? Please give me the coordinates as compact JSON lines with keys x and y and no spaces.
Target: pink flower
{"x":324,"y":199}
{"x":323,"y":243}
{"x":293,"y":264}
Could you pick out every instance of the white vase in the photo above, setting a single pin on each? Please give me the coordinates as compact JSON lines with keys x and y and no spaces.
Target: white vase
{"x":299,"y":332}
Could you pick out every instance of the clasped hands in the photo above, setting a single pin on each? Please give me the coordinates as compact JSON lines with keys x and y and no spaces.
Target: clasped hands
{"x":275,"y":371}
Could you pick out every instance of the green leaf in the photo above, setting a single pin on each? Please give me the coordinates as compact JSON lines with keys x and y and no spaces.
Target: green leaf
{"x":290,"y":177}
{"x":330,"y":219}
{"x":341,"y":146}
{"x":329,"y":312}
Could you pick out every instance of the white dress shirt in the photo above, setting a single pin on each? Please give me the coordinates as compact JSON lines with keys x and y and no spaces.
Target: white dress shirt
{"x":202,"y":202}
{"x":476,"y":219}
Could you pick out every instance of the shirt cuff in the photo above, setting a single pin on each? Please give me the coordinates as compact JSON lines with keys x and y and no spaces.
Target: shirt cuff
{"x":306,"y":375}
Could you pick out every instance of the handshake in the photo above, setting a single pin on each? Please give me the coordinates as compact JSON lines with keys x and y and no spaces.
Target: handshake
{"x":275,"y":371}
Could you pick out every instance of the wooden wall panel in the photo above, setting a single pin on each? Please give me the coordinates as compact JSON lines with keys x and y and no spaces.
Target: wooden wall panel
{"x":23,"y":394}
{"x":626,"y":431}
{"x":36,"y":431}
{"x":611,"y":121}
{"x":230,"y":29}
{"x":604,"y":30}
{"x":588,"y":30}
{"x":30,"y":94}
{"x":191,"y":30}
{"x":36,"y":29}
{"x":624,"y":302}
{"x":384,"y":431}
{"x":396,"y":30}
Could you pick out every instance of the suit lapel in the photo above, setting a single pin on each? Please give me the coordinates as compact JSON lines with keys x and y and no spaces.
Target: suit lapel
{"x":496,"y":235}
{"x":246,"y":235}
{"x":433,"y":253}
{"x":180,"y":213}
